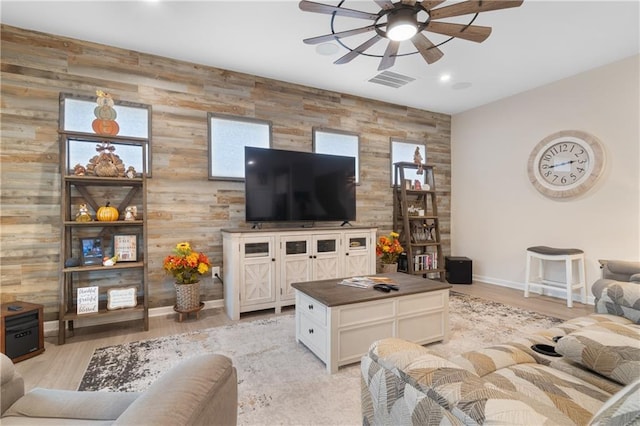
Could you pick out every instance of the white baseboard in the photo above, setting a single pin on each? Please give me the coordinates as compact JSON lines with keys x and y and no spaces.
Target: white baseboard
{"x":51,"y":327}
{"x":520,"y":286}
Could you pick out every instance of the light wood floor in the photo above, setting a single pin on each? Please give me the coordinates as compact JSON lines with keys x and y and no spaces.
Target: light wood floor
{"x":62,"y":367}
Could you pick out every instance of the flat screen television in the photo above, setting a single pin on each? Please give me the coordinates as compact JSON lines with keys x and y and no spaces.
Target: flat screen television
{"x":297,"y":186}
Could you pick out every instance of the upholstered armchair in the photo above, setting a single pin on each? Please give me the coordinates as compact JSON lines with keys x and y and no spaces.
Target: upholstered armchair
{"x":202,"y":390}
{"x":618,"y":291}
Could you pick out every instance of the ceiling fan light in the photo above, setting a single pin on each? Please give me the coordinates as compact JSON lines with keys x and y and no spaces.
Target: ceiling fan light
{"x":402,"y":32}
{"x":402,"y":25}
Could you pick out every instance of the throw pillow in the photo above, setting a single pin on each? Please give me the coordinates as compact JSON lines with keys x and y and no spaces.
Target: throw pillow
{"x":622,"y":409}
{"x":609,"y":349}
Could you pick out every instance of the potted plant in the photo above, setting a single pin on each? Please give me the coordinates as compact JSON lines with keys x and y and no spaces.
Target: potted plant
{"x":388,"y":249}
{"x":186,"y":266}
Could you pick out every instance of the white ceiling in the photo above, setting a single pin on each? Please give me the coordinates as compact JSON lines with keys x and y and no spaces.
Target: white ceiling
{"x":535,"y":44}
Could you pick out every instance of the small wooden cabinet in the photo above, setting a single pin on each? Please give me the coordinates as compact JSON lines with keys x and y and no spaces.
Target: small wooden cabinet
{"x":260,"y":265}
{"x":22,"y":330}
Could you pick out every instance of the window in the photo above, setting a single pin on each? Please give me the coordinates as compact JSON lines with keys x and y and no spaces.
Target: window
{"x":336,"y":142}
{"x":227,"y":138}
{"x":77,"y":115}
{"x":404,"y":151}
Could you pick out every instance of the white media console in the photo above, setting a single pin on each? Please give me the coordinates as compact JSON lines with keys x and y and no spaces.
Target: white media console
{"x":261,"y":264}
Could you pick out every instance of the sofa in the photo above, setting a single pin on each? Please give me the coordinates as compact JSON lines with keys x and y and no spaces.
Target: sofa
{"x":201,"y":390}
{"x":594,"y":381}
{"x":618,"y":291}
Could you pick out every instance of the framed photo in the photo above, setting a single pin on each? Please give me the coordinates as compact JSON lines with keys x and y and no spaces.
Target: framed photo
{"x":91,"y":250}
{"x":87,"y":301}
{"x":119,"y":298}
{"x":126,"y":247}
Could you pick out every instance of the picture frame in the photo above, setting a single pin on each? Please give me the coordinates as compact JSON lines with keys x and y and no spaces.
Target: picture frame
{"x":87,"y":300}
{"x":122,"y":297}
{"x":125,"y":247}
{"x":91,"y":251}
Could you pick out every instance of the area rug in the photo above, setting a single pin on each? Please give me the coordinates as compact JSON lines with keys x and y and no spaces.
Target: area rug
{"x":279,"y":380}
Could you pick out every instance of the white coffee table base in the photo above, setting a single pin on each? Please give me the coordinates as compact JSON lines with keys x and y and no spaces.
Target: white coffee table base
{"x":341,"y":335}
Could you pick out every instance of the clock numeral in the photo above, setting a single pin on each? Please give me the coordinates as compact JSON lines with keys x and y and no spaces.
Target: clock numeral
{"x":573,"y":176}
{"x":578,"y":154}
{"x":547,"y":157}
{"x":555,"y":177}
{"x":564,"y":147}
{"x":563,"y":180}
{"x":580,"y":170}
{"x":582,"y":161}
{"x":548,"y":173}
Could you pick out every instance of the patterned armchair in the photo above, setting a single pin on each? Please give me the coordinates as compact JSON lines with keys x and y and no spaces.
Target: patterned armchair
{"x":618,"y":291}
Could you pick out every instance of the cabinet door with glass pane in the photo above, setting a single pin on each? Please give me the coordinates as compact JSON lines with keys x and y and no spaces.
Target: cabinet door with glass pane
{"x":357,"y":254}
{"x":327,"y":262}
{"x":257,"y":272}
{"x":297,"y":264}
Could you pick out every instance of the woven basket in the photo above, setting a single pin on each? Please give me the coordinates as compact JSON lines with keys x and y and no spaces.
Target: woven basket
{"x":386,"y":268}
{"x":187,"y":296}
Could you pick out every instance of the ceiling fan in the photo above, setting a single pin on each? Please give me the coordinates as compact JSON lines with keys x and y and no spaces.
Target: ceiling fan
{"x":406,"y":20}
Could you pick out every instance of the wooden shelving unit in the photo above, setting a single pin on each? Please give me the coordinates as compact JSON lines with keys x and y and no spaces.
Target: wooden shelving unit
{"x":95,"y":192}
{"x":415,"y":218}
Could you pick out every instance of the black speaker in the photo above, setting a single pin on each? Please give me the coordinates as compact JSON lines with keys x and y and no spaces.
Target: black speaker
{"x":22,"y":334}
{"x":458,"y":269}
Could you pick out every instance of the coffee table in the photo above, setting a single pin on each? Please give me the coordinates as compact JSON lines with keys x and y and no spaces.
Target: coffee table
{"x":338,"y":323}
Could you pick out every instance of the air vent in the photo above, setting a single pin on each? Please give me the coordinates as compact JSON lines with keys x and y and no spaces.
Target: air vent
{"x":391,"y":79}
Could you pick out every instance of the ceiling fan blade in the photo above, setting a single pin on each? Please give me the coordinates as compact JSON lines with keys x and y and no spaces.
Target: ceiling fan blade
{"x":428,"y":50}
{"x":341,"y":34}
{"x":473,"y":6}
{"x":409,"y":2}
{"x":358,"y":50}
{"x":467,"y":32}
{"x":389,"y":57}
{"x":430,"y":4}
{"x":309,"y":6}
{"x":385,"y":4}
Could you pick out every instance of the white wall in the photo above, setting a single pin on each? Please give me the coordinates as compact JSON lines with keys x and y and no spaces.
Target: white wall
{"x":495,"y":211}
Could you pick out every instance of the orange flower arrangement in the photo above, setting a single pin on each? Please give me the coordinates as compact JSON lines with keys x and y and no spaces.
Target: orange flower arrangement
{"x":389,"y":248}
{"x":185,"y":264}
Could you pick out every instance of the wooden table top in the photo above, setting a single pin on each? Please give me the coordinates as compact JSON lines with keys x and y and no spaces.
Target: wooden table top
{"x":330,"y":293}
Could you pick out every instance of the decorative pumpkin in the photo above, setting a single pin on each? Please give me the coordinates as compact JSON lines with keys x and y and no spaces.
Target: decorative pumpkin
{"x":105,"y":112}
{"x":105,"y":127}
{"x":107,"y":213}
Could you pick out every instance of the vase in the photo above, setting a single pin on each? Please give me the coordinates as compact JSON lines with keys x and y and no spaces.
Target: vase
{"x":386,"y":268}
{"x":187,"y":296}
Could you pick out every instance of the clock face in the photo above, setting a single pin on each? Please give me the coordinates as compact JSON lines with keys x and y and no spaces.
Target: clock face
{"x":566,"y":164}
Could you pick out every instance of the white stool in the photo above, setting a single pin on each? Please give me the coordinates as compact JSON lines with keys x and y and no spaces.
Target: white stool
{"x":542,"y":254}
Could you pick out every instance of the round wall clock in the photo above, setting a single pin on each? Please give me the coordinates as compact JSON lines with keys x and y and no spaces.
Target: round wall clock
{"x":566,"y":164}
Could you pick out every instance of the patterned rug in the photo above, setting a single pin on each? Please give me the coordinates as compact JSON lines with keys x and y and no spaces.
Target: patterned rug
{"x":279,"y":380}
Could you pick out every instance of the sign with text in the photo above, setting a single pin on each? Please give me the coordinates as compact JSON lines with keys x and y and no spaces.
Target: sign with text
{"x":87,"y":300}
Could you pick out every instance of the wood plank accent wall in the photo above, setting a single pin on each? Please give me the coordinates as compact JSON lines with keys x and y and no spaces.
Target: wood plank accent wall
{"x":183,"y":205}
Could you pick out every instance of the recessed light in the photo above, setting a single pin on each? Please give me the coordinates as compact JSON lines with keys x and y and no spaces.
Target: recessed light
{"x":445,"y":77}
{"x":327,"y":49}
